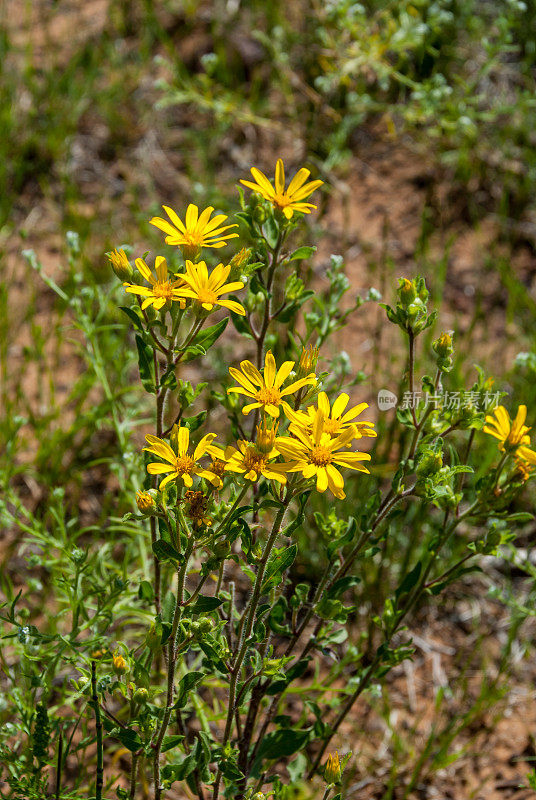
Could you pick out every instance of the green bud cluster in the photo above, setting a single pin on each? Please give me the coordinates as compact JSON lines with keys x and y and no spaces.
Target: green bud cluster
{"x":411,"y":312}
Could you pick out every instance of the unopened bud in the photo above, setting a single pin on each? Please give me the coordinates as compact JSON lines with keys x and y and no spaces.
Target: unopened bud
{"x":145,"y":502}
{"x":308,"y":361}
{"x":141,"y":696}
{"x":332,"y":771}
{"x":407,"y":291}
{"x":266,"y":437}
{"x":121,"y":265}
{"x":119,"y":663}
{"x":443,"y":345}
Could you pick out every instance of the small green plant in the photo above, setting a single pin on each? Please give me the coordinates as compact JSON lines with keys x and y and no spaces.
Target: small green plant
{"x":190,"y":649}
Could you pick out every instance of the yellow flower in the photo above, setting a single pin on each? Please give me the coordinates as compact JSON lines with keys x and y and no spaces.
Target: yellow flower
{"x":207,"y":289}
{"x":315,"y":454}
{"x":197,"y":230}
{"x":510,"y":434}
{"x":286,"y":200}
{"x":332,"y":771}
{"x":162,"y":291}
{"x":250,"y":461}
{"x":180,"y":464}
{"x":525,"y":461}
{"x":267,"y":391}
{"x":336,"y":420}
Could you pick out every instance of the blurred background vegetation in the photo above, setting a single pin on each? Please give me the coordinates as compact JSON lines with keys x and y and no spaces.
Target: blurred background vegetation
{"x":421,"y":119}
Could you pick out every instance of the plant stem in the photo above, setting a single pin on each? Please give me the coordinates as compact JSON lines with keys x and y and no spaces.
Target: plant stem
{"x":249,"y":616}
{"x":172,"y":663}
{"x":59,"y":766}
{"x":98,"y":728}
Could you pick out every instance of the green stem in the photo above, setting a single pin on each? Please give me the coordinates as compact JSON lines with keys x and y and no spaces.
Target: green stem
{"x":99,"y":778}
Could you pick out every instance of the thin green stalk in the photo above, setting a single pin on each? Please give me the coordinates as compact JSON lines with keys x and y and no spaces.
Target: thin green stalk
{"x":99,"y":778}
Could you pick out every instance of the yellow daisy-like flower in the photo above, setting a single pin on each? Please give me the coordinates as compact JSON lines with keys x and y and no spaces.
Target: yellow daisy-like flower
{"x":181,"y":464}
{"x":286,"y":200}
{"x":162,"y":289}
{"x":208,"y":289}
{"x":525,"y":461}
{"x":267,"y":391}
{"x":316,"y":454}
{"x":197,"y":230}
{"x":510,"y":433}
{"x":336,"y":418}
{"x":251,"y":462}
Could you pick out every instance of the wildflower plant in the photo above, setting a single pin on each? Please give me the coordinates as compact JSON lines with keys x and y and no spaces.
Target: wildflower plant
{"x":201,"y":664}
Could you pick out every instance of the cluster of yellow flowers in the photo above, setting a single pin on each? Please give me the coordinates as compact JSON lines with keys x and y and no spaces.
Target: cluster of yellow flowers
{"x":197,"y":231}
{"x":316,"y":442}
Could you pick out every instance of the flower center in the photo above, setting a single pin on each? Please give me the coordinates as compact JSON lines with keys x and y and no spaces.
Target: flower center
{"x":194,"y":238}
{"x":206,"y":296}
{"x":282,"y":200}
{"x":253,"y":460}
{"x":268,"y":396}
{"x":184,"y":464}
{"x":163,"y":290}
{"x":217,"y":467}
{"x":320,"y":456}
{"x":331,"y":425}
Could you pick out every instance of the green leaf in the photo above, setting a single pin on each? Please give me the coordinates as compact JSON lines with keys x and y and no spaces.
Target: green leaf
{"x":277,"y":566}
{"x":145,"y":591}
{"x":409,"y":580}
{"x":271,"y":232}
{"x":282,"y":743}
{"x":170,"y":742}
{"x":213,"y":656}
{"x":164,"y":551}
{"x":179,"y":772}
{"x":208,"y":336}
{"x":169,"y":379}
{"x":340,"y":586}
{"x":295,"y":672}
{"x":204,"y":604}
{"x":145,"y":364}
{"x":301,"y":253}
{"x":186,"y":684}
{"x":129,"y":738}
{"x":191,"y":352}
{"x":133,"y":317}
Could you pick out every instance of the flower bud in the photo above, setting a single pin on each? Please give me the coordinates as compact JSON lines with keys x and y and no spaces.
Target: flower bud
{"x":308,"y":361}
{"x":332,"y":771}
{"x":429,"y":465}
{"x":141,"y":696}
{"x":121,"y":265}
{"x":205,"y":625}
{"x":407,"y":291}
{"x":442,"y":346}
{"x":119,"y":664}
{"x":266,"y":437}
{"x":237,"y":264}
{"x":145,"y":503}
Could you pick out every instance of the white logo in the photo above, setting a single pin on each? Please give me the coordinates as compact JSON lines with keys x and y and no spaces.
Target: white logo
{"x":386,"y":400}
